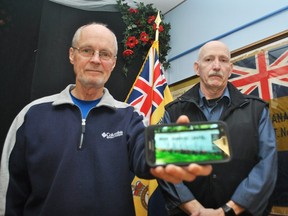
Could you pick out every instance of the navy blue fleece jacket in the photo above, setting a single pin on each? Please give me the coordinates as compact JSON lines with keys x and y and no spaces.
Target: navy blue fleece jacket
{"x":48,"y":169}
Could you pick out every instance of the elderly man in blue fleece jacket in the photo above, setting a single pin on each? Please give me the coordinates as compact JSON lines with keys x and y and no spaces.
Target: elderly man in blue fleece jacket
{"x":72,"y":153}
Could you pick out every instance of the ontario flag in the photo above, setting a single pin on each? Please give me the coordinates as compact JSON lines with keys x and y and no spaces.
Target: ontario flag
{"x":264,"y":73}
{"x":149,"y":94}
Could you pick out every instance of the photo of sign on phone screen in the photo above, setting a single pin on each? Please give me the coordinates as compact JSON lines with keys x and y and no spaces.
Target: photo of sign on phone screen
{"x":201,"y":142}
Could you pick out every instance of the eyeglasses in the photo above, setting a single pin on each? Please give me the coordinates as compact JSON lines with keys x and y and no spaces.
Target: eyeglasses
{"x":89,"y":52}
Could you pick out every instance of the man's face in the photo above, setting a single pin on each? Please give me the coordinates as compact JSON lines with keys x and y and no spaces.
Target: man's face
{"x":93,"y":71}
{"x":213,"y":66}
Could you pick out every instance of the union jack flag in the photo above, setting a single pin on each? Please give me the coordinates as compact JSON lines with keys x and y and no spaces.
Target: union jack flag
{"x":150,"y":91}
{"x":264,"y":74}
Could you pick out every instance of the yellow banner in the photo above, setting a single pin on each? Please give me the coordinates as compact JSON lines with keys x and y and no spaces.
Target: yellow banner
{"x":279,"y":117}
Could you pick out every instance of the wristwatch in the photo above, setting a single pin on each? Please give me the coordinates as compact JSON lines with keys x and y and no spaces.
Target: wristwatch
{"x":228,"y":210}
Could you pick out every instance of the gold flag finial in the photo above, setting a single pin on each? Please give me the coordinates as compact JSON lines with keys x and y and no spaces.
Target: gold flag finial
{"x":157,"y":21}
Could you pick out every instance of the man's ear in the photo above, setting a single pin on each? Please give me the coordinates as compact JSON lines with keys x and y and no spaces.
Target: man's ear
{"x":115,"y":60}
{"x":231,"y":69}
{"x":71,"y":55}
{"x":196,"y":68}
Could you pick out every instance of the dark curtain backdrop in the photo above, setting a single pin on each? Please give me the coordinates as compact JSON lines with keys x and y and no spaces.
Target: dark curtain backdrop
{"x":18,"y":41}
{"x":34,"y":57}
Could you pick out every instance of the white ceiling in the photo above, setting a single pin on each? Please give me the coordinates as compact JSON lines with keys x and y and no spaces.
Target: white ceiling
{"x":163,"y":5}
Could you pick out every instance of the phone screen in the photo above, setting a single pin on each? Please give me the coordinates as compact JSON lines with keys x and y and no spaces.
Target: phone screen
{"x":205,"y":142}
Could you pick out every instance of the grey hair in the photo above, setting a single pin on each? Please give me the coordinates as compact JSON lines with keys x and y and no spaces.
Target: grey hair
{"x":78,"y":32}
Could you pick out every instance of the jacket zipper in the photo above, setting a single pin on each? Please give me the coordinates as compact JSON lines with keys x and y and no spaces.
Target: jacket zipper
{"x":83,"y":125}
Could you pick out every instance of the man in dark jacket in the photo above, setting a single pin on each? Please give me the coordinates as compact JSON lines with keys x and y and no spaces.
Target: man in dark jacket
{"x":243,"y":185}
{"x":72,"y":153}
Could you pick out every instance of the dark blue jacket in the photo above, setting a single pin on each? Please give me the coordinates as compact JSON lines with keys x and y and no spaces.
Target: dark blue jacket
{"x":45,"y":172}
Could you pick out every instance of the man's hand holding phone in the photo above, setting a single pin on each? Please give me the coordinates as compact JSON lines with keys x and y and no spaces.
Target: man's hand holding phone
{"x":176,"y":174}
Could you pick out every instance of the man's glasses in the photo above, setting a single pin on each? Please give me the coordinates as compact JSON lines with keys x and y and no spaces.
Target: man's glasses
{"x":89,"y":52}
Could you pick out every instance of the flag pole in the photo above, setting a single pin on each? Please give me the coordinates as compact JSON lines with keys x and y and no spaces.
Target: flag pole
{"x":157,"y":21}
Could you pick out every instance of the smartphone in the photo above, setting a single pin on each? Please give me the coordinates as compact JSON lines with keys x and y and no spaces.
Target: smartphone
{"x":182,"y":144}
